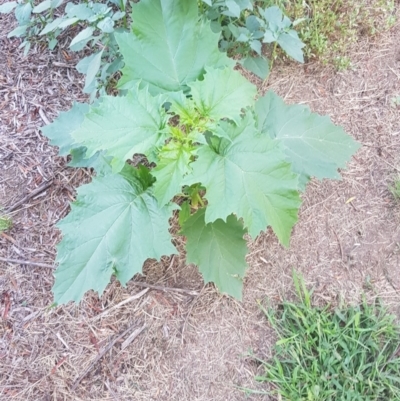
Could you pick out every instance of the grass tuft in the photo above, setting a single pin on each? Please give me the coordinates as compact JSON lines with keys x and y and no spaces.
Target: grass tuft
{"x":395,"y":189}
{"x":350,"y":353}
{"x":5,"y":223}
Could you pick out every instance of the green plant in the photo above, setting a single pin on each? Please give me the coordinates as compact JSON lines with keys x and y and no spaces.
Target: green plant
{"x":5,"y":223}
{"x":245,"y":26}
{"x":350,"y":353}
{"x":229,"y":163}
{"x":99,"y":22}
{"x":328,"y":27}
{"x":395,"y":101}
{"x":395,"y":189}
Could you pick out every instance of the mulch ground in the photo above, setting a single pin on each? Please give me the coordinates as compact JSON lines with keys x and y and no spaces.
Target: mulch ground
{"x":159,"y":343}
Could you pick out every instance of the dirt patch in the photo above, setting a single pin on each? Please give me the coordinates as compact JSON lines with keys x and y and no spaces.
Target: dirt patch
{"x":192,"y":346}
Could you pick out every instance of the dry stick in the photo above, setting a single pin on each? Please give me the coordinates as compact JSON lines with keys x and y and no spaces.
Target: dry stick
{"x":35,"y":192}
{"x":160,"y":288}
{"x":131,"y":298}
{"x":43,"y":116}
{"x":340,"y":245}
{"x":25,"y":262}
{"x":103,"y":352}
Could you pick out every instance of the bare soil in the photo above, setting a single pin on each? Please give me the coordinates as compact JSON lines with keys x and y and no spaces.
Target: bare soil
{"x":193,"y":344}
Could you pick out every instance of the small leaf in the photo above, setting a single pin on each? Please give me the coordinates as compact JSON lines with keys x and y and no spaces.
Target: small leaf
{"x":274,"y":16}
{"x":59,"y":131}
{"x":114,"y":226}
{"x":93,"y":68}
{"x":118,"y":15}
{"x":252,"y":23}
{"x":43,"y":6}
{"x":184,"y":213}
{"x":56,"y":3}
{"x":123,"y":126}
{"x":269,"y":36}
{"x":291,"y":43}
{"x":233,"y":7}
{"x":245,"y":4}
{"x":18,"y":31}
{"x":313,"y":144}
{"x":257,"y":65}
{"x":52,"y":26}
{"x":53,"y":43}
{"x":243,"y":37}
{"x":84,"y":63}
{"x":82,"y":37}
{"x":81,"y":11}
{"x":256,"y":46}
{"x":106,"y":25}
{"x":68,"y":22}
{"x":173,"y":165}
{"x":115,"y":66}
{"x":23,"y":13}
{"x":219,"y":250}
{"x":8,"y":7}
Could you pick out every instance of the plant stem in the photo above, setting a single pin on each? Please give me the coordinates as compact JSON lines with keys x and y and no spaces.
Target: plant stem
{"x":122,"y":5}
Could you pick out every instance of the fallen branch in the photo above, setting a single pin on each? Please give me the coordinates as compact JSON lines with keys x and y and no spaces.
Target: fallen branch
{"x":25,"y":262}
{"x":105,"y":350}
{"x":35,"y":192}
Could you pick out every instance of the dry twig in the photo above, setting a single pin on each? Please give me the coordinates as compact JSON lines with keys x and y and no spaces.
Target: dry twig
{"x":161,"y":288}
{"x":25,"y":262}
{"x":35,"y":192}
{"x":105,"y":350}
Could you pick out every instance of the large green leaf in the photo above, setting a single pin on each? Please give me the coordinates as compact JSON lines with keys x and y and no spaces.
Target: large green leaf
{"x":246,"y":174}
{"x":222,"y":93}
{"x":173,"y":165}
{"x":59,"y":131}
{"x":123,"y":126}
{"x":219,"y":250}
{"x":113,"y":227}
{"x":169,"y":46}
{"x":313,"y":144}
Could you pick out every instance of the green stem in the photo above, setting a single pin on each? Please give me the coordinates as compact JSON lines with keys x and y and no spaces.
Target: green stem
{"x":122,"y":6}
{"x":273,"y":56}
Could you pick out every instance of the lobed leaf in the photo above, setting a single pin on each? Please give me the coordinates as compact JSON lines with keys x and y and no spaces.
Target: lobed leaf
{"x":218,"y":249}
{"x":169,"y":46}
{"x":313,"y":144}
{"x":114,"y":226}
{"x":123,"y":126}
{"x":246,"y":174}
{"x":222,"y":94}
{"x":59,"y":131}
